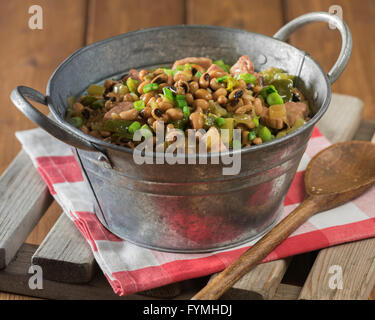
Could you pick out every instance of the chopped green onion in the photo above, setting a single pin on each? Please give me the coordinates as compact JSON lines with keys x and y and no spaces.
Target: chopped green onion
{"x":139,"y":105}
{"x":222,"y":79}
{"x":247,"y":77}
{"x":146,"y":131}
{"x":274,"y":98}
{"x":180,"y":97}
{"x":131,"y":84}
{"x":220,"y":121}
{"x":168,"y":72}
{"x":168,"y":93}
{"x":256,"y":121}
{"x":252,"y":135}
{"x":76,"y":122}
{"x":222,"y":65}
{"x":179,"y":68}
{"x":150,"y":87}
{"x":95,"y":90}
{"x":134,"y":127}
{"x":198,"y":74}
{"x":182,"y":103}
{"x":186,"y":111}
{"x":265,"y":134}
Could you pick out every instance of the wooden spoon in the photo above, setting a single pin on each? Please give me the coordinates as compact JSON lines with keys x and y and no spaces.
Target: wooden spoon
{"x":333,"y":177}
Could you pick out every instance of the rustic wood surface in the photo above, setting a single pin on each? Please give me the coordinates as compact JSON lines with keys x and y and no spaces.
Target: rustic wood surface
{"x":70,"y":24}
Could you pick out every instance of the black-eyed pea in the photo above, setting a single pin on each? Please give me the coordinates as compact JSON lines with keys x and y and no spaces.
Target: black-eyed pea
{"x":115,"y":116}
{"x":244,"y":109}
{"x":85,"y":129}
{"x":189,"y":98}
{"x":78,"y":107}
{"x":109,"y":83}
{"x":140,"y":87}
{"x":145,"y":113}
{"x":104,"y":133}
{"x":215,"y":85}
{"x":108,"y":105}
{"x":174,"y":114}
{"x":182,"y":75}
{"x":193,"y":86}
{"x":159,"y":114}
{"x":181,"y":86}
{"x":241,"y":84}
{"x":257,"y":141}
{"x":236,"y":94}
{"x":219,"y":92}
{"x":197,"y":120}
{"x":146,"y":97}
{"x":247,"y":98}
{"x":257,"y":89}
{"x":165,"y":105}
{"x":200,"y":104}
{"x":152,"y":100}
{"x":258,"y":106}
{"x":130,"y":115}
{"x":222,"y":100}
{"x":203,"y":94}
{"x":142,"y":74}
{"x":233,"y":105}
{"x":150,"y":121}
{"x":204,"y":80}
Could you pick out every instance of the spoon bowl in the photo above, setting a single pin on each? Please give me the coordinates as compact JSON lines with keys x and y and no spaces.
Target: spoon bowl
{"x":333,"y":177}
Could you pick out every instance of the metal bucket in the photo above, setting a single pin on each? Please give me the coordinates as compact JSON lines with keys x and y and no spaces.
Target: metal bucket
{"x":186,"y":208}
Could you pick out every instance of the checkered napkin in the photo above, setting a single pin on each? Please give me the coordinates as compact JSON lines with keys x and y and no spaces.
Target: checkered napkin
{"x":130,"y":268}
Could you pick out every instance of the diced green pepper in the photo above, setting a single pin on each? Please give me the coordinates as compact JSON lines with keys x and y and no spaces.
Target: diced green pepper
{"x":146,"y":131}
{"x":229,"y":124}
{"x":231,"y":83}
{"x":267,"y":90}
{"x":95,"y":90}
{"x":76,"y":122}
{"x":272,"y":74}
{"x":131,"y":84}
{"x":120,"y":89}
{"x":198,"y":74}
{"x":139,"y":105}
{"x":284,"y":88}
{"x":120,"y":127}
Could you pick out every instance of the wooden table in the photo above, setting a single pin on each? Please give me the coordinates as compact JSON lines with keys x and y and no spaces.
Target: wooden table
{"x":29,"y":57}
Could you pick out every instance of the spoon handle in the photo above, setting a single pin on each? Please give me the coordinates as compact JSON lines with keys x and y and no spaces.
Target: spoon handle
{"x":227,"y":278}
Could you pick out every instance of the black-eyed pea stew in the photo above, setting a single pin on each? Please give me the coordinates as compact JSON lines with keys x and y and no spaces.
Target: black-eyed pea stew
{"x":195,"y":93}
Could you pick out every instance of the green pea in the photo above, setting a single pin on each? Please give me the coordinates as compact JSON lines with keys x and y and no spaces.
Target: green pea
{"x":265,"y":134}
{"x":274,"y":98}
{"x":220,"y":121}
{"x":252,"y":135}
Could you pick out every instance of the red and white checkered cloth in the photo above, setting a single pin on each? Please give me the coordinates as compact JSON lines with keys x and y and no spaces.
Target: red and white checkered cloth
{"x":130,"y":268}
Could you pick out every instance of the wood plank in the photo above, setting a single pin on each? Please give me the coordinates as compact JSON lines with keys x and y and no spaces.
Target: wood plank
{"x":15,"y":279}
{"x":342,"y":119}
{"x":110,"y":18}
{"x":23,"y":200}
{"x":356,"y":79}
{"x":357,"y":262}
{"x":64,"y":254}
{"x":356,"y":259}
{"x":28,"y":57}
{"x":287,"y":292}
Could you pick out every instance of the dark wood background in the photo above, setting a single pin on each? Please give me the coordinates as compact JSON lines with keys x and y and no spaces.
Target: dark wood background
{"x":28,"y":57}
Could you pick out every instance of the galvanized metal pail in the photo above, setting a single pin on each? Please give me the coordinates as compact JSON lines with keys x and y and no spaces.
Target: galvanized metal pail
{"x":192,"y":207}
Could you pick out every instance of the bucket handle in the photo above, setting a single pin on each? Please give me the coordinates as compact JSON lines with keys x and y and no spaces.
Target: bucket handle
{"x":346,"y":37}
{"x":20,"y":96}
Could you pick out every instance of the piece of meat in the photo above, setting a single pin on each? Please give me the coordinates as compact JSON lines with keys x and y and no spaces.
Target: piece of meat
{"x":202,"y":61}
{"x":243,"y":65}
{"x":215,"y":71}
{"x":295,"y":110}
{"x":134,"y":74}
{"x":118,"y":108}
